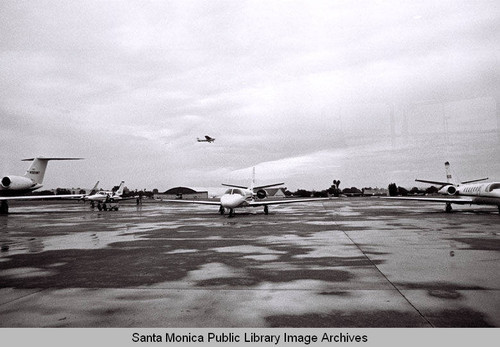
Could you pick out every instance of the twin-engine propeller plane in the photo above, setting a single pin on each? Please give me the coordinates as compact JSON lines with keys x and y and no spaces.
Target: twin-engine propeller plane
{"x":463,"y":193}
{"x":207,"y":139}
{"x":108,"y":198}
{"x":14,"y":187}
{"x":241,"y":196}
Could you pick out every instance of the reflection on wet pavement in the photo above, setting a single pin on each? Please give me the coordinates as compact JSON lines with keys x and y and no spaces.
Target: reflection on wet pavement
{"x":341,"y":263}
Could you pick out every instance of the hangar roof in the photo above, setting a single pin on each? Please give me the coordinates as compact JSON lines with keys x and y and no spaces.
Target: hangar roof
{"x":180,"y":190}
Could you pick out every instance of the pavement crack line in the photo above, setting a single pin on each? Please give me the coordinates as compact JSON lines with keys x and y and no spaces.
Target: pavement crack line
{"x":22,"y":297}
{"x":379,"y":271}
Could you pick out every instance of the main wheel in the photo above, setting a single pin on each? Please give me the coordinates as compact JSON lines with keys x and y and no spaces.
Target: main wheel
{"x":266,"y":209}
{"x":448,"y":208}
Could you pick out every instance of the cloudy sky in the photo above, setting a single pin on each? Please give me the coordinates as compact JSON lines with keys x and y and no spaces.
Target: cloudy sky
{"x":368,"y":92}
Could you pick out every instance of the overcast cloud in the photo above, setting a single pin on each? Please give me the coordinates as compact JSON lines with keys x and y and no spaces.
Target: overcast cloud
{"x":303,"y":90}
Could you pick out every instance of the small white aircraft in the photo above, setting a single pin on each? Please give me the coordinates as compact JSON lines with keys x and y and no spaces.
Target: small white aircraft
{"x":207,"y":139}
{"x":14,"y":187}
{"x":464,"y":193}
{"x":107,"y":197}
{"x":240,"y":196}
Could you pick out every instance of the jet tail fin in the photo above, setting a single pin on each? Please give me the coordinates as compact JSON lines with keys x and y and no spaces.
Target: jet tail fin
{"x":94,"y":190}
{"x":36,"y":171}
{"x":119,"y":192}
{"x":449,"y":177}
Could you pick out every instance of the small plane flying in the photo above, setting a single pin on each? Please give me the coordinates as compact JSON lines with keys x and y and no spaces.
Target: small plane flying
{"x":14,"y":187}
{"x":241,"y":196}
{"x":464,"y":193}
{"x":207,"y":139}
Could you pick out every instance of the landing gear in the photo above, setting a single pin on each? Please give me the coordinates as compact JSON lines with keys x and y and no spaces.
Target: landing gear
{"x":92,"y":204}
{"x":4,"y":207}
{"x":231,"y":212}
{"x":266,"y":209}
{"x":499,"y":209}
{"x":448,"y":207}
{"x":222,"y":210}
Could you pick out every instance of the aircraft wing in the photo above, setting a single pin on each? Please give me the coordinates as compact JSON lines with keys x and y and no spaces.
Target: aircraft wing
{"x":40,"y":197}
{"x":476,"y":180}
{"x":460,"y":200}
{"x":233,"y":186}
{"x":126,"y":198}
{"x":269,"y":185}
{"x":285,"y":201}
{"x":199,"y":202}
{"x":435,"y":182}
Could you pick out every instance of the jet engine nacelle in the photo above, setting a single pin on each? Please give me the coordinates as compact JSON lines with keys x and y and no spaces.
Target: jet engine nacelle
{"x":450,"y":190}
{"x":261,"y":194}
{"x":16,"y":183}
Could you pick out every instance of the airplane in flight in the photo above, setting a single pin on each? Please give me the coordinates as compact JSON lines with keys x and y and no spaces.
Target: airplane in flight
{"x":207,"y":139}
{"x":16,"y":187}
{"x":240,"y":196}
{"x":463,"y":193}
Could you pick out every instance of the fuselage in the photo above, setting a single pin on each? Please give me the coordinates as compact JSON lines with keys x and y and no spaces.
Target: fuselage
{"x":236,"y":197}
{"x":102,"y":196}
{"x":481,"y":193}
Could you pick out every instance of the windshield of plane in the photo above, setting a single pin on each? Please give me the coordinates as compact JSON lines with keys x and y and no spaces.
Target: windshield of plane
{"x":492,"y":187}
{"x":234,"y":191}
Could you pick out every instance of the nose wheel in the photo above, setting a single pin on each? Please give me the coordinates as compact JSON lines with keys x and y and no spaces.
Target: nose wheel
{"x":231,"y":212}
{"x":4,"y":207}
{"x":222,"y":210}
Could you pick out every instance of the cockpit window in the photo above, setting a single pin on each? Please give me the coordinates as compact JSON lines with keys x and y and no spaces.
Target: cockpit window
{"x":492,"y":187}
{"x":234,"y":191}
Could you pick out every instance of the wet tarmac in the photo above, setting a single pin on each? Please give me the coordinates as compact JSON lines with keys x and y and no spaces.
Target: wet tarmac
{"x":350,"y":262}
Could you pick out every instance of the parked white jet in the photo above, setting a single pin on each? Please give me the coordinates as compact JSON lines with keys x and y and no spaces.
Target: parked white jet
{"x":207,"y":139}
{"x":241,"y":196}
{"x":464,"y":193}
{"x":13,"y":187}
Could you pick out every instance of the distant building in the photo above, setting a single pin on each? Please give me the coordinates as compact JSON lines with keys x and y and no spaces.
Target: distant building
{"x":181,"y":193}
{"x":375,"y":191}
{"x":275,"y":192}
{"x":73,"y":191}
{"x":80,"y":190}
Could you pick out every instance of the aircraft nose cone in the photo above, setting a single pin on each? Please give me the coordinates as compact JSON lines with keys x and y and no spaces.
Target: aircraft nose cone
{"x":230,"y":201}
